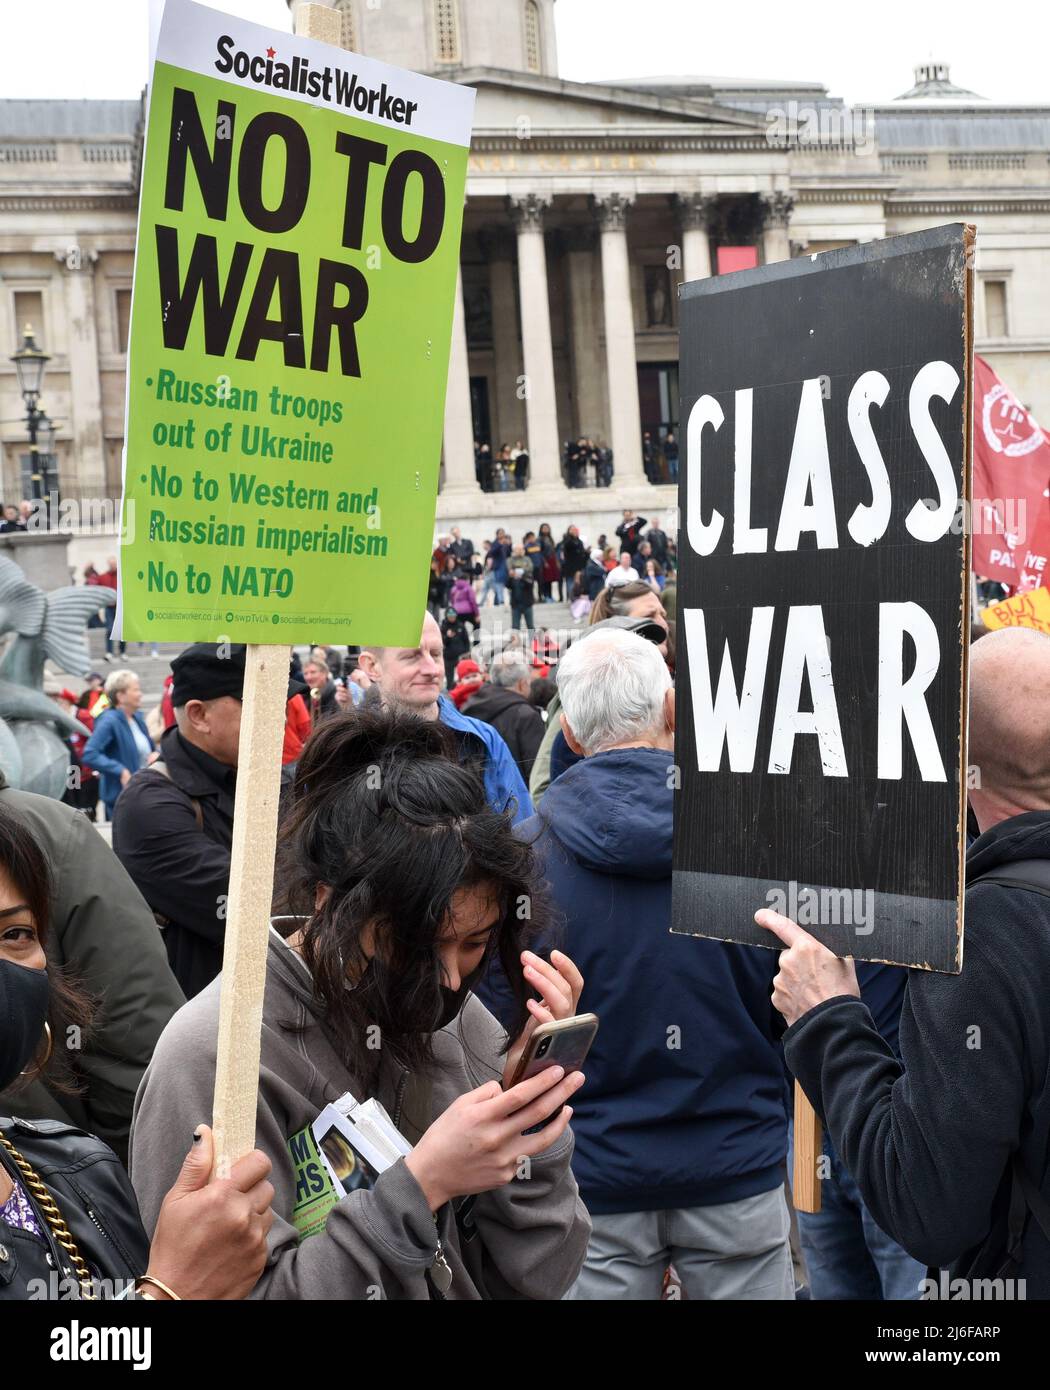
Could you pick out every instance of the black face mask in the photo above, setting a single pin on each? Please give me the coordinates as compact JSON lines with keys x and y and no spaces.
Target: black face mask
{"x":452,"y":1000}
{"x":23,"y":1012}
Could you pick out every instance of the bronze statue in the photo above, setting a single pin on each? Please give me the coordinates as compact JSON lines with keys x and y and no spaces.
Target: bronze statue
{"x":34,"y":627}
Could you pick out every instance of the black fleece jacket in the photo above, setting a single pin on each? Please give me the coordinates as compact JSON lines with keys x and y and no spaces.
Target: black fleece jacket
{"x":511,"y":715}
{"x":930,"y":1146}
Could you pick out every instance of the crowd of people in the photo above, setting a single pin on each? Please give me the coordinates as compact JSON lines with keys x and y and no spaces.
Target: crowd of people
{"x":505,"y":469}
{"x":660,"y":457}
{"x":16,"y":517}
{"x":476,"y":840}
{"x":541,"y":568}
{"x":585,"y":462}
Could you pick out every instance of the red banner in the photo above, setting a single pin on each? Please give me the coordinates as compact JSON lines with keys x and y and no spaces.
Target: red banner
{"x":1011,"y":487}
{"x":730,"y":258}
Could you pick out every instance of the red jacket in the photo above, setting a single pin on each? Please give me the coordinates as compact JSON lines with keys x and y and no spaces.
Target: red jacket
{"x":79,"y":743}
{"x":296,"y":730}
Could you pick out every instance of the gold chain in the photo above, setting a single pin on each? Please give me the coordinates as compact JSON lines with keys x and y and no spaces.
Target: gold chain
{"x":54,"y":1218}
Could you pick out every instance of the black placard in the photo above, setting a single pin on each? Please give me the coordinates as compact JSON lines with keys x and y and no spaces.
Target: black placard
{"x":828,"y":780}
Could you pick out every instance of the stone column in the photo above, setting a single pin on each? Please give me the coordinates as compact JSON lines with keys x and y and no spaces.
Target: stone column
{"x":541,"y":407}
{"x":508,"y":407}
{"x":85,"y":383}
{"x":776,"y":244}
{"x":625,"y":415}
{"x":585,"y":331}
{"x":695,"y":211}
{"x":459,"y":420}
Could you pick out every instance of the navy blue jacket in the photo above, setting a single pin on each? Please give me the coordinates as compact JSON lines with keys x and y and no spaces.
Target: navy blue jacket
{"x":882,"y":989}
{"x":562,"y":756}
{"x":684,"y":1103}
{"x":112,"y":748}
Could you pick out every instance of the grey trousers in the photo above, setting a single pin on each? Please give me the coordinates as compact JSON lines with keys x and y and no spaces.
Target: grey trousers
{"x":735,"y":1251}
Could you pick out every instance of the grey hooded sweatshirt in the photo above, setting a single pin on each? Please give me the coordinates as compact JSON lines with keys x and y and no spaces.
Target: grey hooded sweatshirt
{"x":525,"y":1240}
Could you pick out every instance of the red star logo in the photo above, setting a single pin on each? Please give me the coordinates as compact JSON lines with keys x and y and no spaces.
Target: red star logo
{"x":271,"y":53}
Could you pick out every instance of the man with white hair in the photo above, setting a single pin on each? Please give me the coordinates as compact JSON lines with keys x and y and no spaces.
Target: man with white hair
{"x":681,"y":1130}
{"x":504,"y":703}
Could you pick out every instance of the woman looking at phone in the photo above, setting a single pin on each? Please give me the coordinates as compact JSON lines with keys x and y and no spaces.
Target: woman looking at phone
{"x":403,"y":884}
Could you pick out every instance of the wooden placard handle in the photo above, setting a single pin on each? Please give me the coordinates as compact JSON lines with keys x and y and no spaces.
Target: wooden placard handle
{"x":254,"y":845}
{"x":249,"y":903}
{"x":805,"y":1182}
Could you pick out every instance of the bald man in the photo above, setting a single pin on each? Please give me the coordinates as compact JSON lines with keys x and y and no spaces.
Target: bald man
{"x":411,"y":679}
{"x":949,"y":1147}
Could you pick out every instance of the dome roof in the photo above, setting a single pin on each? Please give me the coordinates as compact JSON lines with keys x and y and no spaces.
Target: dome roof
{"x":933,"y":82}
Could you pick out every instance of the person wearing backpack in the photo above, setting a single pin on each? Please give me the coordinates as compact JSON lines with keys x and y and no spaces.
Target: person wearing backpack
{"x":948,"y":1147}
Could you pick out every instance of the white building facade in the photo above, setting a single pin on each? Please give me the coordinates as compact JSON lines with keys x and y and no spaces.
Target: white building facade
{"x":587,"y":204}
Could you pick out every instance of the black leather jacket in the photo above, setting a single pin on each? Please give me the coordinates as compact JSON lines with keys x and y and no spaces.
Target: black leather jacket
{"x":97,"y":1202}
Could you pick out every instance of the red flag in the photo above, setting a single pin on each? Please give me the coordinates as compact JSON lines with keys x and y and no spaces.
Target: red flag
{"x":1011,"y":487}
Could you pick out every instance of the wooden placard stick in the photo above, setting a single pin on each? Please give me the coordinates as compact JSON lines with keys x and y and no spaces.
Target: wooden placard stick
{"x":249,"y":903}
{"x":805,"y":1181}
{"x":254,"y":848}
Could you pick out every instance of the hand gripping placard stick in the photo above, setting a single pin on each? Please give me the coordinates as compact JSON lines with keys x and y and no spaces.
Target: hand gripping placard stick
{"x":254,"y":847}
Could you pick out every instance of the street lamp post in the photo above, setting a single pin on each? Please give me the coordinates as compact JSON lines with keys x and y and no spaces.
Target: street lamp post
{"x":45,"y":438}
{"x":30,"y":364}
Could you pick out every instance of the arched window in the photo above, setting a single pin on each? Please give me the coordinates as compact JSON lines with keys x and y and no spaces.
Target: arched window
{"x":447,"y":26}
{"x":533,"y":54}
{"x":348,"y":36}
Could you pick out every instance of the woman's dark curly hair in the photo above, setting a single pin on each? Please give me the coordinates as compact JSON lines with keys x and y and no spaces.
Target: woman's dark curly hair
{"x":22,"y":859}
{"x":387,"y":817}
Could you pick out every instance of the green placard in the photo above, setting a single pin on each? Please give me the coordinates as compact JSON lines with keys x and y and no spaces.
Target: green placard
{"x":295,"y":276}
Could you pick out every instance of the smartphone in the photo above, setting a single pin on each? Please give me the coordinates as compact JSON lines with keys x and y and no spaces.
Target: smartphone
{"x":563,"y":1043}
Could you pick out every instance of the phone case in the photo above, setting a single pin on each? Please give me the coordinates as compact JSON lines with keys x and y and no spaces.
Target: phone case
{"x":568,"y":1047}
